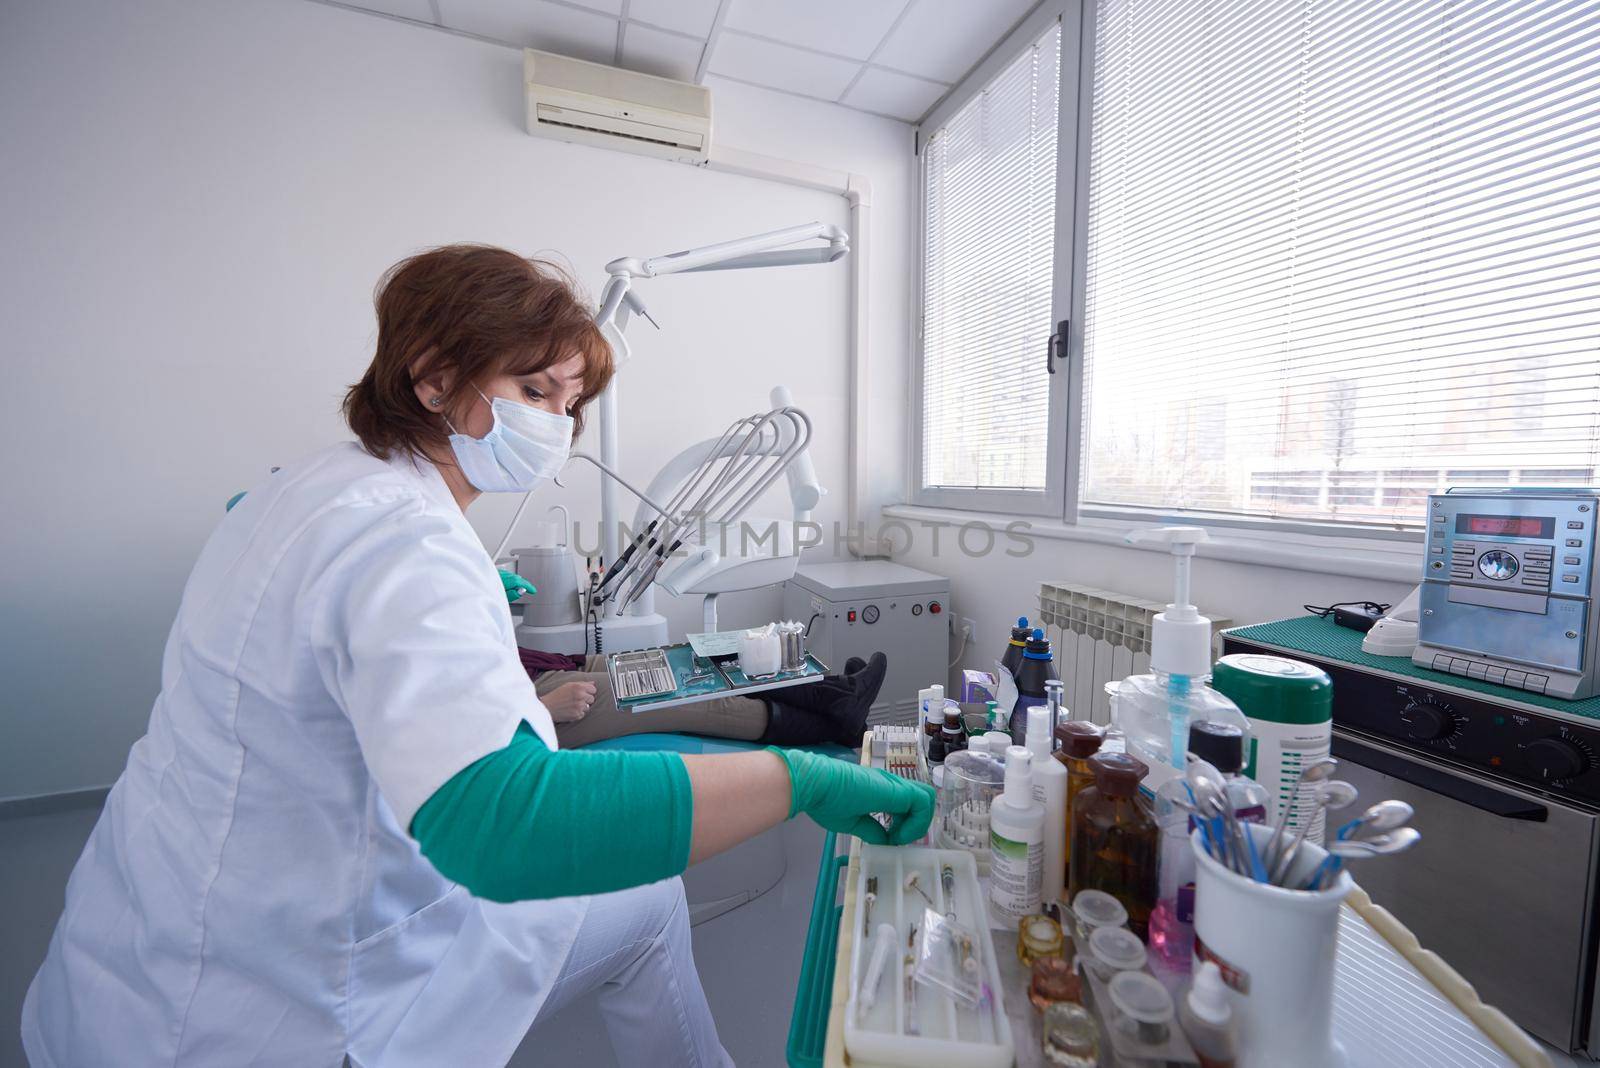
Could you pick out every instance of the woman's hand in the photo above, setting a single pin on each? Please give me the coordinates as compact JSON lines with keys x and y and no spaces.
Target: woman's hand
{"x":569,"y":702}
{"x":842,"y":796}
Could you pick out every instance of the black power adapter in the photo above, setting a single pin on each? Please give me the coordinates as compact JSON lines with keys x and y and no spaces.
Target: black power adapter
{"x":1357,"y":615}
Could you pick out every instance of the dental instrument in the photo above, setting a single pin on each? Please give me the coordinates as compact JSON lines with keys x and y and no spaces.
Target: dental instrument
{"x":690,"y":505}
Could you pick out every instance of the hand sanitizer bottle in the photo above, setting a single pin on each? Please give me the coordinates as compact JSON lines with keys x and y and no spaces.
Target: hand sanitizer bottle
{"x":1155,"y":711}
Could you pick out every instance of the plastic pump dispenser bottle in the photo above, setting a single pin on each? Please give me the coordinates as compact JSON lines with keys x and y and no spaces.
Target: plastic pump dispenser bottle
{"x":1049,"y":778}
{"x":1206,"y":1016}
{"x":1016,"y":843}
{"x":1154,"y":711}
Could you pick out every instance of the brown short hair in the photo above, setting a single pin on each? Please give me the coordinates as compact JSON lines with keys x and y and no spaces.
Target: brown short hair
{"x":478,"y":311}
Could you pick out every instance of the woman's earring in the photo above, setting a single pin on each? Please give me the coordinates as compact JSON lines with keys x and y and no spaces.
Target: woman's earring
{"x":436,"y":401}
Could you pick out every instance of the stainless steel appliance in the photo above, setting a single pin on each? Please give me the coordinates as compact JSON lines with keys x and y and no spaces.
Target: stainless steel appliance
{"x":1507,"y":589}
{"x":1507,"y":794}
{"x":860,"y":607}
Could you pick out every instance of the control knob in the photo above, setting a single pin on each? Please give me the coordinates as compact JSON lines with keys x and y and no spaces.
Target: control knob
{"x":1556,"y":758}
{"x":1427,"y":722}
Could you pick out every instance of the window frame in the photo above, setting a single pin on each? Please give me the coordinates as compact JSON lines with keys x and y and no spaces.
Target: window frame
{"x":1066,"y":384}
{"x":1062,"y":498}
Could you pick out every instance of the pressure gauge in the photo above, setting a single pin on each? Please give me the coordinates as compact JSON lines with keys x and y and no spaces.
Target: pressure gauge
{"x":1497,"y":564}
{"x":869,"y":614}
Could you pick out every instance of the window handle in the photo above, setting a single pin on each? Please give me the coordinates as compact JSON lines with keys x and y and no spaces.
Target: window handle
{"x":1056,"y":347}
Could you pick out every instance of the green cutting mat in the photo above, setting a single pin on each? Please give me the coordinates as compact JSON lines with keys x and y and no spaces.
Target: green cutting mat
{"x":1325,"y":638}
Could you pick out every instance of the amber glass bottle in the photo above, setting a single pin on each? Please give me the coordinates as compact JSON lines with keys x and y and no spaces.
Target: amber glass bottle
{"x":1079,"y":740}
{"x":1115,"y":839}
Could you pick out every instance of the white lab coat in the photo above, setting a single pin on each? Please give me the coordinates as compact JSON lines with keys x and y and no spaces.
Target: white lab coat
{"x":249,"y":894}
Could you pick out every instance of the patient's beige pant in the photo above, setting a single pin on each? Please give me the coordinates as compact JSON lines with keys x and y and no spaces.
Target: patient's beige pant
{"x":742,"y":718}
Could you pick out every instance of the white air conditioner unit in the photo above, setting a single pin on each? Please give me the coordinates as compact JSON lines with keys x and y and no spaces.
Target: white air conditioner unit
{"x":593,"y":104}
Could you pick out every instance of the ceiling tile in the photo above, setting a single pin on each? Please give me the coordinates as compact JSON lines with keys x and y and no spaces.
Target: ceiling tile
{"x":685,"y":16}
{"x":780,"y":67}
{"x":610,"y":7}
{"x":663,"y":54}
{"x":844,"y":27}
{"x":944,"y":39}
{"x":420,"y":10}
{"x":889,"y":93}
{"x":536,"y":24}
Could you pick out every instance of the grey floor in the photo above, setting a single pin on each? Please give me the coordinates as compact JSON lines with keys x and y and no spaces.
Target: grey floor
{"x":749,"y":958}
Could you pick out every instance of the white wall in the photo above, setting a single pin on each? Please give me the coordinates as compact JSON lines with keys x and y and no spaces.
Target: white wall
{"x":198,"y":196}
{"x":993,"y":590}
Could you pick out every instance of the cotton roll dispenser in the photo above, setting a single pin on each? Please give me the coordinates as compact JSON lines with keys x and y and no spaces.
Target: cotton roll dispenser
{"x":791,"y":645}
{"x":760,"y":651}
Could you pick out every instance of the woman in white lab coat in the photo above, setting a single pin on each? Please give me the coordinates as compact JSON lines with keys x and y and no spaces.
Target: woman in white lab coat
{"x":348,"y":832}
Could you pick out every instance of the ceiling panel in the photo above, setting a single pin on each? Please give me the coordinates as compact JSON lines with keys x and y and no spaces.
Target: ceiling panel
{"x":610,"y":7}
{"x":780,"y":67}
{"x":844,"y":27}
{"x":888,"y":93}
{"x":420,"y":10}
{"x":686,"y":16}
{"x":943,"y":39}
{"x":663,"y":54}
{"x":536,"y":24}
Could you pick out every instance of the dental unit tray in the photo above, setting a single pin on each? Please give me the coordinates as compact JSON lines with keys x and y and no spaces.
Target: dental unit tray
{"x":647,"y":679}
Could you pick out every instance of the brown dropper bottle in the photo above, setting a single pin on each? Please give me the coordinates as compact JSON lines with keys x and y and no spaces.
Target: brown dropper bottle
{"x":1079,"y":740}
{"x":1115,"y":840}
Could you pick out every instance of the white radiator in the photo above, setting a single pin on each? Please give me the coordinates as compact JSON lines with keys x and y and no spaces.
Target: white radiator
{"x":1099,"y":637}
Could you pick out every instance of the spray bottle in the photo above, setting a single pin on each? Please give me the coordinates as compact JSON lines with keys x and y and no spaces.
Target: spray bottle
{"x":1156,"y":710}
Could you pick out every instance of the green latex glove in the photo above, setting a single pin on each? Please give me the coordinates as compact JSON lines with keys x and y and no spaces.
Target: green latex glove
{"x":841,"y":796}
{"x":515,"y":584}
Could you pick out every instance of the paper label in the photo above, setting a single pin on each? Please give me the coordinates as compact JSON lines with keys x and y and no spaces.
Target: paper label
{"x":1016,"y":875}
{"x":1236,"y":977}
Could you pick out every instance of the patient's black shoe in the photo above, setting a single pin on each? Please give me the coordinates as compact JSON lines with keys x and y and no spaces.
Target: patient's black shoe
{"x":833,"y":709}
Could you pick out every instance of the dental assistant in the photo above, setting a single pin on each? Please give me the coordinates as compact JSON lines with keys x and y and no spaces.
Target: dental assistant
{"x":348,"y":833}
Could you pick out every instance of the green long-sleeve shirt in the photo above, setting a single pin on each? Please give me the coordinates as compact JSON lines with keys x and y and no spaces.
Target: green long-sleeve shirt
{"x":525,"y":822}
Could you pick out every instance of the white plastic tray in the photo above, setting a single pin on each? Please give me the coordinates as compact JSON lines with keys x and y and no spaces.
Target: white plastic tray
{"x":951,"y":1036}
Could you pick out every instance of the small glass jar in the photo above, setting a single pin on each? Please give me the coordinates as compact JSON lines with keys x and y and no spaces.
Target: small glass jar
{"x":1142,"y":1007}
{"x":1093,"y":909}
{"x":1038,"y":936}
{"x":1071,"y":1037}
{"x":1113,"y":950}
{"x":1054,"y":980}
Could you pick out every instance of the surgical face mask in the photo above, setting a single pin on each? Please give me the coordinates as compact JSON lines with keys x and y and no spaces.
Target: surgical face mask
{"x":524,"y":445}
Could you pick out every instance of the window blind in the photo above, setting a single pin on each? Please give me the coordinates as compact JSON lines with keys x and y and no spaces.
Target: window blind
{"x":1341,"y":254}
{"x":989,"y":179}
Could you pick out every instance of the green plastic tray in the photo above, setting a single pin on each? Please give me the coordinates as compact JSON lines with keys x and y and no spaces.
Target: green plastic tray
{"x":813,"y":995}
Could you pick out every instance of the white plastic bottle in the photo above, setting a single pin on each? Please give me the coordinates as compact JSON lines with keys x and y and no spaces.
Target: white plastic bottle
{"x":1016,"y":843}
{"x":1154,"y":711}
{"x":1206,"y":1016}
{"x":1049,"y":777}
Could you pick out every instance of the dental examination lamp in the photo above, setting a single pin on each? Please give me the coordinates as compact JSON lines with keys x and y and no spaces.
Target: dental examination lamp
{"x":687,"y":534}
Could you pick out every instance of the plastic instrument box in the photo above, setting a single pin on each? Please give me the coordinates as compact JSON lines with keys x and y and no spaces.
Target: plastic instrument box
{"x":948,"y":1033}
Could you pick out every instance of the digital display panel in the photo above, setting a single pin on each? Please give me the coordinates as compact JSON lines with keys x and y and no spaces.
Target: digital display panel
{"x":1507,"y":526}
